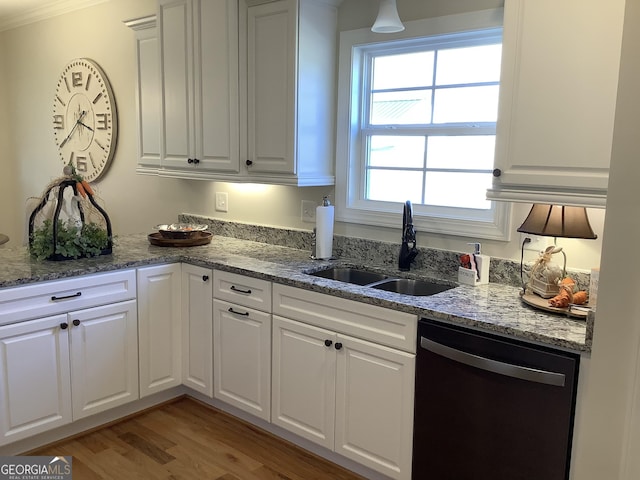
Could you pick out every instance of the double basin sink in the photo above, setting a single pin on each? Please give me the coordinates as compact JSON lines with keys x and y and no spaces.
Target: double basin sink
{"x":381,"y":281}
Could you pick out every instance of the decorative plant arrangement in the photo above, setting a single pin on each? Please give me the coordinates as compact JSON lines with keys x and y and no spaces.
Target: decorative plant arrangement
{"x":68,"y":223}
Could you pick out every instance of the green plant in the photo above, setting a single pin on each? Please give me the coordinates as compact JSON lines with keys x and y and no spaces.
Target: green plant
{"x":71,"y":241}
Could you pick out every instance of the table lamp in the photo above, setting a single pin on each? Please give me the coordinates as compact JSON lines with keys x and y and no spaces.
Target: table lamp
{"x":553,"y":221}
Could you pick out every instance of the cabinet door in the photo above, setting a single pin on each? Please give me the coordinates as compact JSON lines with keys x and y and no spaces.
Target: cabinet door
{"x":374,"y":406}
{"x":159,"y":328}
{"x":557,"y":100}
{"x":303,"y":384}
{"x":176,"y":66}
{"x":272,"y":36}
{"x":197,"y":336}
{"x":147,"y":94}
{"x":216,"y":75}
{"x":199,"y":70}
{"x":242,"y":358}
{"x":104,"y":357}
{"x":35,"y":385}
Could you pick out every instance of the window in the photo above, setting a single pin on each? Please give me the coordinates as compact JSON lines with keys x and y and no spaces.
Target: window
{"x":419,"y":124}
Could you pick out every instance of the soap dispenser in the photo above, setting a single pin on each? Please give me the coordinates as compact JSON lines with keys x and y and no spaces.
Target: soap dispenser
{"x":476,"y":270}
{"x":482,"y":264}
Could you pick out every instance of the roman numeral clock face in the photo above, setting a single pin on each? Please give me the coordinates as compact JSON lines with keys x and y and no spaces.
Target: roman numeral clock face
{"x":85,"y":122}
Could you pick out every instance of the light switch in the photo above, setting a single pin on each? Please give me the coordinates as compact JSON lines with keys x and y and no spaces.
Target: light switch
{"x":222,"y":202}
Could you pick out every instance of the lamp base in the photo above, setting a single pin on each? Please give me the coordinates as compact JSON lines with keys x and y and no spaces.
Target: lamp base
{"x":544,"y":289}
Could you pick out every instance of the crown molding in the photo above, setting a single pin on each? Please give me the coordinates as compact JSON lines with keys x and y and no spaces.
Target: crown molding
{"x":47,"y":10}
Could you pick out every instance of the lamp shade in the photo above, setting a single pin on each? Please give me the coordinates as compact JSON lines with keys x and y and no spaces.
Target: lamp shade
{"x":388,"y":20}
{"x":558,"y":221}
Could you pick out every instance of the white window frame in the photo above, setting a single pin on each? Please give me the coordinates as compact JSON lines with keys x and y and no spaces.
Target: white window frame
{"x":494,"y":224}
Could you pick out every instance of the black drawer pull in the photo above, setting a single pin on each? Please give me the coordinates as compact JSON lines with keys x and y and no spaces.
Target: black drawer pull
{"x":66,"y":297}
{"x":497,"y":172}
{"x":328,"y":343}
{"x":338,"y":346}
{"x":231,"y":310}
{"x":239,"y":290}
{"x":205,"y":278}
{"x":64,"y":325}
{"x":76,"y":322}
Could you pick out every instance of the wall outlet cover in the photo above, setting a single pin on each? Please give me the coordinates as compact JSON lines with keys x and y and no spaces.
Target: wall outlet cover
{"x":537,"y":243}
{"x":222,"y":202}
{"x":308,"y":211}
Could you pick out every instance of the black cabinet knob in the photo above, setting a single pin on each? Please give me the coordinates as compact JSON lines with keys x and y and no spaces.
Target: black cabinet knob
{"x":249,"y":163}
{"x":205,"y":278}
{"x":196,"y":161}
{"x":497,"y":172}
{"x":327,"y":343}
{"x":76,"y":322}
{"x":189,"y":160}
{"x":64,"y":325}
{"x":338,"y":345}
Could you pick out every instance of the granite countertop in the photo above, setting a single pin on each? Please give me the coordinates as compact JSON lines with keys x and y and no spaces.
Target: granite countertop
{"x":494,"y":307}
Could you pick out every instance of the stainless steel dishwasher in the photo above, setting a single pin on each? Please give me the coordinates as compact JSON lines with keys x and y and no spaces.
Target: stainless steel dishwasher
{"x":490,"y":408}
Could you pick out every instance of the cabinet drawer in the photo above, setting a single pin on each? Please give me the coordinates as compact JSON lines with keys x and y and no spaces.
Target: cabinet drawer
{"x":60,"y":296}
{"x":368,"y":322}
{"x":246,"y":291}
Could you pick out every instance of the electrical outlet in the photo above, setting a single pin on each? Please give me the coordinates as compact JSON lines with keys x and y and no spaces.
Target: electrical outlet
{"x":308,"y":211}
{"x":222,"y":202}
{"x":536,"y":244}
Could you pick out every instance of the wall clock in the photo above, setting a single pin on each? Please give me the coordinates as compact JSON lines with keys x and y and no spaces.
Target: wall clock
{"x":85,"y":120}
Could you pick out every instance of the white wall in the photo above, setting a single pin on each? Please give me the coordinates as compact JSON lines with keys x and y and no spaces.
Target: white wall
{"x":34,"y":56}
{"x":609,"y":429}
{"x":7,"y":178}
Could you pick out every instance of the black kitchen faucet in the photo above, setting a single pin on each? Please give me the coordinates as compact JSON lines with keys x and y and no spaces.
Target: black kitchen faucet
{"x":408,"y":250}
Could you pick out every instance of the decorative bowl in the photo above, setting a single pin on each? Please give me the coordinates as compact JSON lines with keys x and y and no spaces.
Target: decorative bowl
{"x":180,"y":230}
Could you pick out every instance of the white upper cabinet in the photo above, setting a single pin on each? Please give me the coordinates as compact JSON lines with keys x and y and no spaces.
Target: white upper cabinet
{"x":288,"y":135}
{"x":147,"y":89}
{"x":198,"y":42}
{"x":557,"y":101}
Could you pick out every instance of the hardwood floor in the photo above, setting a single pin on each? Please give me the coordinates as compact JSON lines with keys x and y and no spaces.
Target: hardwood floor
{"x":188,"y":440}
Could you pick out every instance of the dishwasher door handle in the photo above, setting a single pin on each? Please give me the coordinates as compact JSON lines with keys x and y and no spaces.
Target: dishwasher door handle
{"x":501,"y":368}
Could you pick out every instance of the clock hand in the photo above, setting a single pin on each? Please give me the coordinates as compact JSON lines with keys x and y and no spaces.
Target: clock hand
{"x":82,"y":114}
{"x":86,"y":126}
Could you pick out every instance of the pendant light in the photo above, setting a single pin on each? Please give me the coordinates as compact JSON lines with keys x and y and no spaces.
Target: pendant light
{"x":388,"y":20}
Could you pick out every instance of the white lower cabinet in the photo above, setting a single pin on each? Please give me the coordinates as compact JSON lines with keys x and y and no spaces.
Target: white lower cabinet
{"x":374,"y":406}
{"x":349,"y":395}
{"x":104,"y":357}
{"x":159,"y":327}
{"x":334,"y":371}
{"x":197,"y":334}
{"x":242,"y":357}
{"x":66,"y":367}
{"x":304,"y":380}
{"x":242,"y":342}
{"x":35,"y":378}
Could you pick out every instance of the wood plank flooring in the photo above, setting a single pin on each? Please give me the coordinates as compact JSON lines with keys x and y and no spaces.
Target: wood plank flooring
{"x":186,"y":439}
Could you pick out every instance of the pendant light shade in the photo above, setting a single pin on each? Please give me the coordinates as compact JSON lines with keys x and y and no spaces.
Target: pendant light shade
{"x":388,"y":20}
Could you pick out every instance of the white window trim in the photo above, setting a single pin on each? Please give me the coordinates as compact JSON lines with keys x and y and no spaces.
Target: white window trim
{"x":348,"y":174}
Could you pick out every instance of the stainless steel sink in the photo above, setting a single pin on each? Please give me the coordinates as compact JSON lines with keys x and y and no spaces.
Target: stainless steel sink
{"x":350,"y":275}
{"x":381,"y":281}
{"x":409,"y":286}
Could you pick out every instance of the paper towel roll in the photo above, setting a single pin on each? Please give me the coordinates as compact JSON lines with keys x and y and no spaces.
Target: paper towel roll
{"x":324,"y":232}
